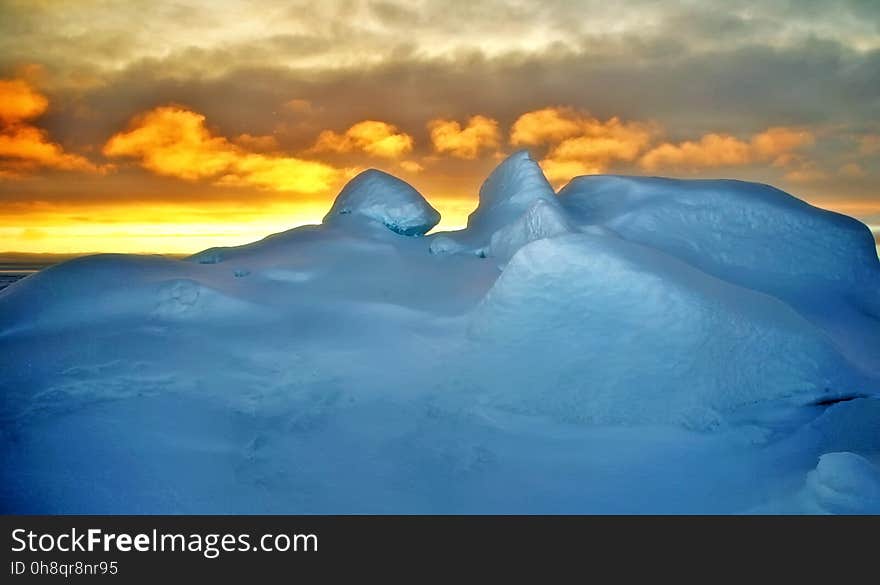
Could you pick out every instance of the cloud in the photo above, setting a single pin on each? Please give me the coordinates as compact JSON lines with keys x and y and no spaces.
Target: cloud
{"x":299,"y":106}
{"x":370,"y":136}
{"x":777,"y":145}
{"x":480,"y":133}
{"x":852,"y":170}
{"x":258,"y":143}
{"x":411,"y":166}
{"x":23,"y":146}
{"x":579,"y":143}
{"x":548,"y":125}
{"x":806,"y":173}
{"x":19,"y":102}
{"x":175,"y":141}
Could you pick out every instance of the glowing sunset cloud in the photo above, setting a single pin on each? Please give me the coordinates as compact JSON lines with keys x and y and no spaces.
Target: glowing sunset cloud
{"x":174,"y":141}
{"x":25,"y":148}
{"x":775,"y":145}
{"x":579,"y":143}
{"x":479,"y":134}
{"x":370,"y":136}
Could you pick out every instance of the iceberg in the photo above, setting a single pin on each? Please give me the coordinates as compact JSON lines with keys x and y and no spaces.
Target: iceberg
{"x":630,"y":345}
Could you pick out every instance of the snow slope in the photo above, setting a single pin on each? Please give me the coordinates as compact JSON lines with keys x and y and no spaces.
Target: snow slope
{"x":633,"y":345}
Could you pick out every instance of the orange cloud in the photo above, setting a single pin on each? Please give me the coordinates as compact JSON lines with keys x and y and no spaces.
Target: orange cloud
{"x":546,"y":126}
{"x":19,"y":101}
{"x":370,"y":136}
{"x":852,"y":170}
{"x":258,"y":143}
{"x":448,"y":136}
{"x":805,"y":171}
{"x":580,"y":143}
{"x":777,"y":145}
{"x":299,"y":106}
{"x":174,"y":141}
{"x":23,"y":146}
{"x":411,"y":166}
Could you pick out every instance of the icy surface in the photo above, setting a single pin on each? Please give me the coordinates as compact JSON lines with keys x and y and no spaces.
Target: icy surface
{"x":634,"y":345}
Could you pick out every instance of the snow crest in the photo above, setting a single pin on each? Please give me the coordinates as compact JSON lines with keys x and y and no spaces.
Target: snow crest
{"x":516,"y":205}
{"x":381,"y":197}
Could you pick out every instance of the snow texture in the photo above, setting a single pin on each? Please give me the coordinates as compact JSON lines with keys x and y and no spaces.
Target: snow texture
{"x":632,"y":345}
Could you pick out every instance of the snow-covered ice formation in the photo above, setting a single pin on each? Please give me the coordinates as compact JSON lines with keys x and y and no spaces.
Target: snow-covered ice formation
{"x":629,"y":345}
{"x":386,"y":199}
{"x":517,"y":192}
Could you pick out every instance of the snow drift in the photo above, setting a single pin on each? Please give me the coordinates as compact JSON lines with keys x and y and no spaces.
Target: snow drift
{"x":629,"y":345}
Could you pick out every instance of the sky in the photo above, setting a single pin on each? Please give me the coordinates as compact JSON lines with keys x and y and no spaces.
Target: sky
{"x":172,"y":126}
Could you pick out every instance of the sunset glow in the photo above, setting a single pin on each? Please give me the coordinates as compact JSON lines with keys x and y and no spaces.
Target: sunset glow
{"x":253,"y":125}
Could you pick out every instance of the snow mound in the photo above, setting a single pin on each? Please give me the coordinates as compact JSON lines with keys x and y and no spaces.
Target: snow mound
{"x":844,"y":483}
{"x":510,"y":189}
{"x":381,"y":197}
{"x":748,"y":233}
{"x":540,"y":220}
{"x":598,"y":329}
{"x":514,"y":188}
{"x":822,"y":264}
{"x":91,"y":289}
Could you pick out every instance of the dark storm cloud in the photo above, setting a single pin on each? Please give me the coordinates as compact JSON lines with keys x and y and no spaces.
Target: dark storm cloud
{"x":814,"y":83}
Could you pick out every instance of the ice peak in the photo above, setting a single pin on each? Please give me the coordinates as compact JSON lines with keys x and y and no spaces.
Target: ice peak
{"x":514,"y":185}
{"x":378,"y":196}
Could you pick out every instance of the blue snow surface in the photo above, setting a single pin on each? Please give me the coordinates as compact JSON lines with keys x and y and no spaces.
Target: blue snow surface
{"x":628,"y":345}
